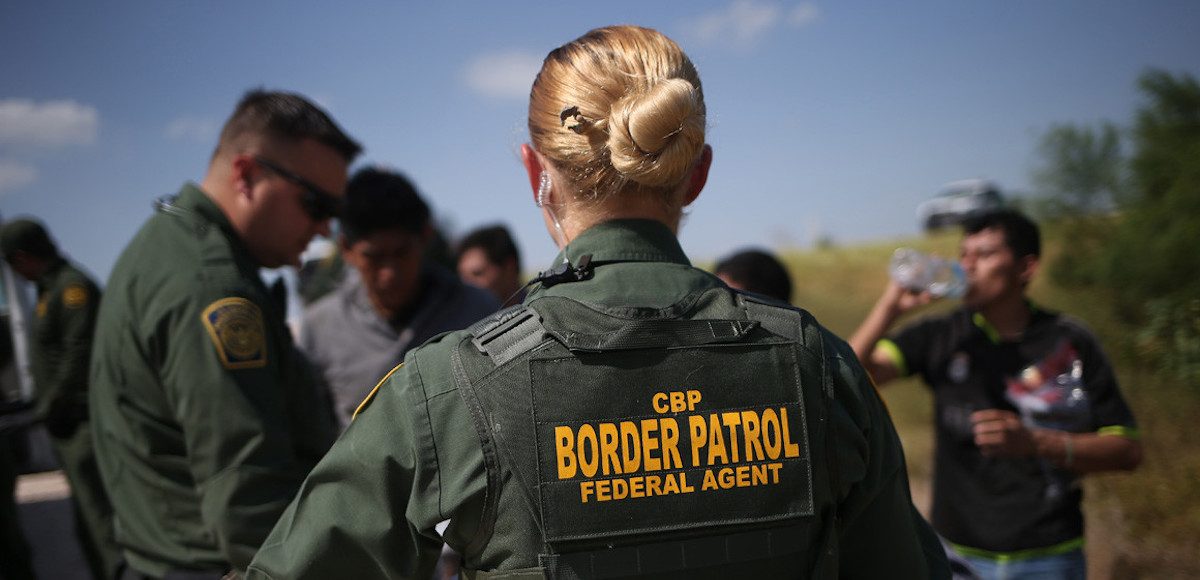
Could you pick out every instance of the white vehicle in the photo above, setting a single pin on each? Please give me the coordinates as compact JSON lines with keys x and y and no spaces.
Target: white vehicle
{"x":957,"y":201}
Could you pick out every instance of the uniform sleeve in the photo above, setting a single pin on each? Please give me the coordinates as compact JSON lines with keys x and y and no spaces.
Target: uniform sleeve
{"x":881,"y":534}
{"x":354,"y":516}
{"x":65,"y":391}
{"x":224,"y":374}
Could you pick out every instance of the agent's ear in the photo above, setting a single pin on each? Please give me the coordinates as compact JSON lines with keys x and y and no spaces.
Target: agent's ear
{"x":699,"y":175}
{"x":534,"y":167}
{"x":243,"y":172}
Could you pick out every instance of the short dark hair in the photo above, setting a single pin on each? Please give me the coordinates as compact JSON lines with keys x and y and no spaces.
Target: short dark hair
{"x":1021,"y":235}
{"x":380,"y":199}
{"x":27,"y":235}
{"x":288,"y":117}
{"x":495,"y":241}
{"x":758,"y":271}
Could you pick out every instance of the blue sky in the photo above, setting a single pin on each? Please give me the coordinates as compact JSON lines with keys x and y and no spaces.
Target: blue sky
{"x":827,"y":118}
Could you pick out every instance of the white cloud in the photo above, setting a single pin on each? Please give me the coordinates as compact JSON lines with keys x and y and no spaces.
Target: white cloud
{"x":50,"y":124}
{"x":192,"y":129}
{"x":804,"y":14}
{"x":505,"y":75}
{"x":743,"y":21}
{"x":14,"y":175}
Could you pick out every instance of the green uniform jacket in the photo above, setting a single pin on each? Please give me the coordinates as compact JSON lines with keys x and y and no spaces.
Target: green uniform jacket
{"x":68,"y":303}
{"x":413,"y":459}
{"x":62,"y":342}
{"x":206,"y":417}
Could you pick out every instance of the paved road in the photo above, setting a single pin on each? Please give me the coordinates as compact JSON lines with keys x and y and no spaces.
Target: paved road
{"x":44,"y":506}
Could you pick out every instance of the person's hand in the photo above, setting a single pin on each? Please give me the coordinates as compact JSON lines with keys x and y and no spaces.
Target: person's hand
{"x":1000,"y":433}
{"x":902,"y":299}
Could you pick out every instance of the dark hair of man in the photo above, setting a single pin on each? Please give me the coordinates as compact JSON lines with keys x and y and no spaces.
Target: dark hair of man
{"x":29,"y":236}
{"x":1021,"y":235}
{"x":378,"y":199}
{"x":758,"y":272}
{"x":287,"y":117}
{"x":495,"y":241}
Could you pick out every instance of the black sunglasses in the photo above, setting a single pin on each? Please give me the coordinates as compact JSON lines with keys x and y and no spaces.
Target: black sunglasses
{"x":318,"y":203}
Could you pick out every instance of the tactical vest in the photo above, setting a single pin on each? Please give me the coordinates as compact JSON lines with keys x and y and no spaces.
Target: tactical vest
{"x":689,"y":441}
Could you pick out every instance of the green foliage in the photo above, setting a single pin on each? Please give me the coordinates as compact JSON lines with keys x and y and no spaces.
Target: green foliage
{"x":1171,"y":335}
{"x":1146,"y":252}
{"x":1083,"y":168}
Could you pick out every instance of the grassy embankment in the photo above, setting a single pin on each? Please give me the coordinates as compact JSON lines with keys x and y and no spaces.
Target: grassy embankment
{"x":1140,"y":525}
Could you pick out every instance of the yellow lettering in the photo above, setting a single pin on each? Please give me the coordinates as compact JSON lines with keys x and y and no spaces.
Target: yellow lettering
{"x":631,"y":449}
{"x":588,"y":456}
{"x":693,"y":397}
{"x":564,"y":447}
{"x":770,"y":431}
{"x":754,"y":448}
{"x":650,"y":443}
{"x":732,"y":420}
{"x":710,"y":482}
{"x":716,"y":443}
{"x":774,"y":467}
{"x":669,"y":484}
{"x":759,"y":475}
{"x":789,"y":449}
{"x":610,"y":463}
{"x":620,"y":489}
{"x":683,"y":484}
{"x":670,"y":443}
{"x":586,"y":488}
{"x":636,"y":486}
{"x":698,"y":431}
{"x":677,"y":403}
{"x":725,"y":477}
{"x":603,"y":490}
{"x":743,"y":476}
{"x":653,"y":485}
{"x":659,"y":403}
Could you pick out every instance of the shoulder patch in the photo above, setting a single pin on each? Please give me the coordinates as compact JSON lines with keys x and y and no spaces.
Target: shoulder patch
{"x":237,"y":330}
{"x":371,"y":395}
{"x":75,"y":296}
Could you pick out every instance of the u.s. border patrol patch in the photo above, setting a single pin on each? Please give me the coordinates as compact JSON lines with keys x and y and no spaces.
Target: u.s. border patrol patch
{"x":75,"y":296}
{"x":237,"y":330}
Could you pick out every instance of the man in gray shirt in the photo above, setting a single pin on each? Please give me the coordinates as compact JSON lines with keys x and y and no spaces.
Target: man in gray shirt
{"x":392,"y":300}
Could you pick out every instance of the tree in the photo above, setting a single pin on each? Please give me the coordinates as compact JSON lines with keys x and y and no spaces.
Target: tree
{"x":1152,"y":258}
{"x":1083,"y":170}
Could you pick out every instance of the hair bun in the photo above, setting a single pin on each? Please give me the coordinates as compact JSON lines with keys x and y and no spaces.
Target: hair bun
{"x":654,"y":136}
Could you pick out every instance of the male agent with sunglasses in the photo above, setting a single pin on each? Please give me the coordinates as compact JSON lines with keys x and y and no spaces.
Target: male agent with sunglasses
{"x":206,"y":417}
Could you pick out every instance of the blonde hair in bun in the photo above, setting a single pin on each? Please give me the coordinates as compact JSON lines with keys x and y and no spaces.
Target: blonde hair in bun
{"x":619,"y":110}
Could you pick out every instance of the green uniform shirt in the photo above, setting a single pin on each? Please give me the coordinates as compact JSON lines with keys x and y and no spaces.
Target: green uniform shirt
{"x":205,"y":416}
{"x":62,"y":343}
{"x":413,"y":458}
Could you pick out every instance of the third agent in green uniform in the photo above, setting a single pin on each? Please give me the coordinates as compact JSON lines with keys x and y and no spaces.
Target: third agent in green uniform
{"x":634,"y":417}
{"x":63,"y":328}
{"x":206,"y":416}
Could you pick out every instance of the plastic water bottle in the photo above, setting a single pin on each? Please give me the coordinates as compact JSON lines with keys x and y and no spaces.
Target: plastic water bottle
{"x":921,"y":272}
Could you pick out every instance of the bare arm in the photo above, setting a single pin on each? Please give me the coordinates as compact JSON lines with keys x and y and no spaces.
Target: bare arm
{"x":894,"y":302}
{"x":1001,"y":433}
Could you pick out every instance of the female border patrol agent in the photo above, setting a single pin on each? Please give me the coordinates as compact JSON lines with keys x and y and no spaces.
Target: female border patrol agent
{"x":634,"y":417}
